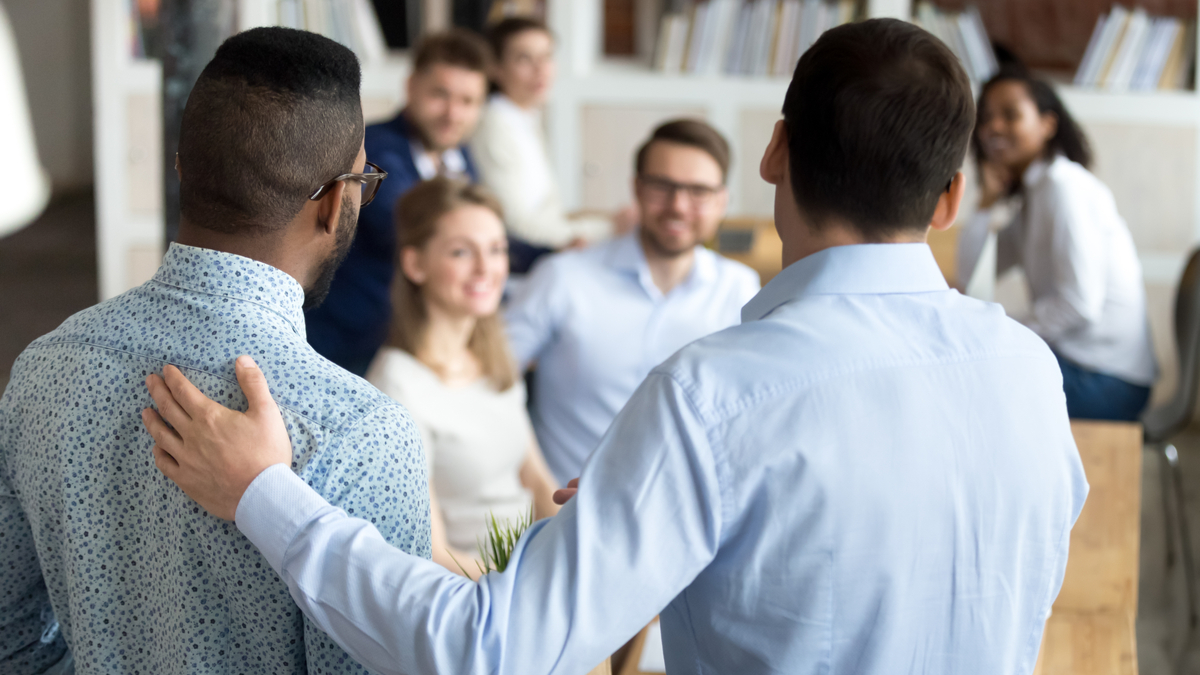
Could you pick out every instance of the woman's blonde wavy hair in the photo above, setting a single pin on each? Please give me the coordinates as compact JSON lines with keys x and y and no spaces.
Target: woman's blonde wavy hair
{"x":417,"y":215}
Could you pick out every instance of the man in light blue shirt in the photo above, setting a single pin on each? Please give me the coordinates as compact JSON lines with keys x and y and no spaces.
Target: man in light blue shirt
{"x":104,"y":560}
{"x":872,"y":474}
{"x":597,"y":321}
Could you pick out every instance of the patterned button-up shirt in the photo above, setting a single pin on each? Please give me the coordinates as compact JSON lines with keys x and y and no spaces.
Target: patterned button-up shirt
{"x":101,"y":554}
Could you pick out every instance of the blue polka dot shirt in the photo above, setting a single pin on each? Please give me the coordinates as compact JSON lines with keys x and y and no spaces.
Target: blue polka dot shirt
{"x":101,"y":554}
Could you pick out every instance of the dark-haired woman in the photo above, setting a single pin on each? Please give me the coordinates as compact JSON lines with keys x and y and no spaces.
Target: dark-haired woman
{"x":1087,"y":298}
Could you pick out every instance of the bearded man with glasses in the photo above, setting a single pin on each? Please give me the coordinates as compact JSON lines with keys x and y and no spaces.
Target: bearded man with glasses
{"x":597,"y":321}
{"x":110,"y":568}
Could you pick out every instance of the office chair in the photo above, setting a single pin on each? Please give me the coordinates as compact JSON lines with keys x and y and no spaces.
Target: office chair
{"x":1162,"y":423}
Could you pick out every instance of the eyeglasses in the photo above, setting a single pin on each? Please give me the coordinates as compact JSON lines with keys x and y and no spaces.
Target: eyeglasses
{"x":661,"y":189}
{"x":371,"y":179}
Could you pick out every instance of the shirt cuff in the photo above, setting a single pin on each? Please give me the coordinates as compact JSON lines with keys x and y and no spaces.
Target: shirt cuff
{"x":273,"y":510}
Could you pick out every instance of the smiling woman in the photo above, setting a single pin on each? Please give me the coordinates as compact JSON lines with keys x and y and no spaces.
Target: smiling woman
{"x":1085,"y":280}
{"x":448,"y":362}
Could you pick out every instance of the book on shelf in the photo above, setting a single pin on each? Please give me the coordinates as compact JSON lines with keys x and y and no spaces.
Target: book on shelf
{"x":964,"y":33}
{"x":744,"y":37}
{"x":1131,"y":50}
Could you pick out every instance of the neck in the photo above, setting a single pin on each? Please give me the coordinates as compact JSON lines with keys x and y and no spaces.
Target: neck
{"x":445,"y":344}
{"x":667,"y":270}
{"x":523,"y":104}
{"x":800,"y":240}
{"x":266,"y":249}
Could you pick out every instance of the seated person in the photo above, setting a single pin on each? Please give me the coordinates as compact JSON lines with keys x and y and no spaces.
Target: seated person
{"x":510,"y":145}
{"x":1088,"y":297}
{"x":596,"y":321}
{"x":447,"y":361}
{"x":100,"y":555}
{"x":445,"y":95}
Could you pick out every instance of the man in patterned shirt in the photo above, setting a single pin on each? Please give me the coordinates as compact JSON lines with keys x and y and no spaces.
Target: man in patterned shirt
{"x":107,"y":566}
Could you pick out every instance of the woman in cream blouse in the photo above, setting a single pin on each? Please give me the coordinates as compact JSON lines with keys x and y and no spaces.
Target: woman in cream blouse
{"x":1060,"y":224}
{"x":509,"y":145}
{"x":447,"y":361}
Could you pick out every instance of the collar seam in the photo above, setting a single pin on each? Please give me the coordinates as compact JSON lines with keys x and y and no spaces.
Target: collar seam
{"x":274,"y":310}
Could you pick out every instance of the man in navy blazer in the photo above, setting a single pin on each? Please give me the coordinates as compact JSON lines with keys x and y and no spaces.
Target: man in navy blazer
{"x":446,"y":93}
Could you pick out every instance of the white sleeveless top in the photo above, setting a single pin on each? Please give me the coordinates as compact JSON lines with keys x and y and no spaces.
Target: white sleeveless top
{"x":475,"y":441}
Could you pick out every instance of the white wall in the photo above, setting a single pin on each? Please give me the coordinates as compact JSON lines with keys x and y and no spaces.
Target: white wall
{"x":53,"y":38}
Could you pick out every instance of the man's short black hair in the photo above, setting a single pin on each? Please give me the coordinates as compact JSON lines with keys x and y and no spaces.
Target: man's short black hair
{"x":273,"y":116}
{"x":878,"y":115}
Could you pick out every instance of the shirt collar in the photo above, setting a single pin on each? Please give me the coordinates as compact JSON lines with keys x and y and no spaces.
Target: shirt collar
{"x":203,"y":270}
{"x":1035,"y":171}
{"x":862,"y":269}
{"x":627,"y":254}
{"x":453,"y":162}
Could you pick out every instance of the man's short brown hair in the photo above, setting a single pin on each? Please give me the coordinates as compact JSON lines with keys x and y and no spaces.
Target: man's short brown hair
{"x":878,"y":117}
{"x":692,"y":133}
{"x":456,"y":47}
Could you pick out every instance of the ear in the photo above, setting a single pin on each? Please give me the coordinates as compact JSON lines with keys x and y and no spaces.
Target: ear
{"x":178,"y":172}
{"x":773,"y":167}
{"x":947,"y":207}
{"x":329,"y":208}
{"x":411,"y":265}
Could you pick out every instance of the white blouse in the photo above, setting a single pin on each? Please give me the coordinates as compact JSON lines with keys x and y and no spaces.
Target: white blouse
{"x":509,"y":150}
{"x":1088,"y":301}
{"x":475,"y":441}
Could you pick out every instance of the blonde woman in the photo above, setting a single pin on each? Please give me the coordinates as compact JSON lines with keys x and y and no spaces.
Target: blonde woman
{"x":448,"y":362}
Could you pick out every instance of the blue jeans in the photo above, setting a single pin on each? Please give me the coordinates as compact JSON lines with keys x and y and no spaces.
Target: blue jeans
{"x":1096,"y":396}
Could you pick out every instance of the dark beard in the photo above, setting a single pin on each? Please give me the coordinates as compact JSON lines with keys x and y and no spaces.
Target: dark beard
{"x":315,"y":294}
{"x":650,"y":239}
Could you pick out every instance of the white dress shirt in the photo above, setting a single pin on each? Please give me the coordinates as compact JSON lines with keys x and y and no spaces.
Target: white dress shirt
{"x":509,"y":150}
{"x":1088,"y":300}
{"x":596,"y":324}
{"x":872,"y":474}
{"x":475,"y":440}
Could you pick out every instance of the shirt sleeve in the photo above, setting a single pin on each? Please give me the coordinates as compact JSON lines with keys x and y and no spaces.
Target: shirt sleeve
{"x":30,"y":639}
{"x":377,"y":472}
{"x":533,"y":314}
{"x":1078,"y":265}
{"x":578,"y":585}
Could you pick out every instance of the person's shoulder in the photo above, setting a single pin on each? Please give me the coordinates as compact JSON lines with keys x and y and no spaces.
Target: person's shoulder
{"x":817,"y":340}
{"x":736,"y":272}
{"x":1066,"y":180}
{"x":571,"y":263}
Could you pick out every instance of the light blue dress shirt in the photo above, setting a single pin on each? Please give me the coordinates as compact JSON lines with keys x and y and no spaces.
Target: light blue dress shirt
{"x":872,"y":474}
{"x":101,"y":553}
{"x":596,"y":324}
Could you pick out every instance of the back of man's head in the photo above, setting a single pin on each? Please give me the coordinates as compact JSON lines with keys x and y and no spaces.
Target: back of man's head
{"x":273,"y":116}
{"x":878,"y":115}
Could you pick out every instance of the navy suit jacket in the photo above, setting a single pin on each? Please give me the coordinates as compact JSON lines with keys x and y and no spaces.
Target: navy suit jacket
{"x":352,"y":324}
